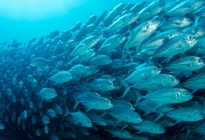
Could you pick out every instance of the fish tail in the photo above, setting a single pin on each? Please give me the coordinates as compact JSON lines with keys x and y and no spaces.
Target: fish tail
{"x":127,"y":88}
{"x":125,"y":126}
{"x":76,"y":104}
{"x":159,"y":116}
{"x":139,"y":97}
{"x":196,"y":21}
{"x":103,"y":114}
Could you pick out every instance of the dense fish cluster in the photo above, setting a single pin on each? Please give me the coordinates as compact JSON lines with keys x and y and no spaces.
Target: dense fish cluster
{"x":135,"y":72}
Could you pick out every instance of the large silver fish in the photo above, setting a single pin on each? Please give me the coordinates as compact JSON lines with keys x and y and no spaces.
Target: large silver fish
{"x":141,"y":33}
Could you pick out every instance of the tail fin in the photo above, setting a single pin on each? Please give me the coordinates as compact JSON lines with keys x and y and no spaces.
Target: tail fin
{"x":127,"y":88}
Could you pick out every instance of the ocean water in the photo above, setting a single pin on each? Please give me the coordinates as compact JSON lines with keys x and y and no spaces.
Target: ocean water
{"x":22,"y":20}
{"x":68,"y":71}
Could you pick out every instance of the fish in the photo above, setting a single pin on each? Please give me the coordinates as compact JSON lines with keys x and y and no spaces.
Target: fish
{"x":123,"y":104}
{"x":79,"y":118}
{"x":102,"y":85}
{"x":60,"y":77}
{"x":47,"y":94}
{"x":198,"y":49}
{"x":137,"y":7}
{"x":121,"y":22}
{"x":114,"y":12}
{"x":84,"y":45}
{"x":38,"y":62}
{"x":45,"y":120}
{"x":151,"y":10}
{"x":93,"y":101}
{"x":185,"y":64}
{"x":195,"y":82}
{"x":185,"y":114}
{"x":111,"y":43}
{"x":141,"y":73}
{"x":51,"y":113}
{"x":185,"y":7}
{"x":174,"y":46}
{"x":149,"y":127}
{"x":125,"y":115}
{"x":79,"y":71}
{"x":176,"y":23}
{"x":151,"y":45}
{"x":123,"y":134}
{"x":148,"y":107}
{"x":166,"y":96}
{"x":100,"y":60}
{"x":157,"y":81}
{"x":141,"y":33}
{"x":84,"y":57}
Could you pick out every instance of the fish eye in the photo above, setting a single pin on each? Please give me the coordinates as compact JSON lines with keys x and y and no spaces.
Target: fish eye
{"x":187,"y":93}
{"x":161,"y":129}
{"x":199,"y":60}
{"x":108,"y":102}
{"x":172,"y":79}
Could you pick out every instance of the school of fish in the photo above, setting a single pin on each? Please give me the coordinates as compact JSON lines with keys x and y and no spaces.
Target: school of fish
{"x":134,"y":72}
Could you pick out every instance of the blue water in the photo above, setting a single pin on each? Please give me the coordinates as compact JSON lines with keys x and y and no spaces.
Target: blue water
{"x":35,"y":23}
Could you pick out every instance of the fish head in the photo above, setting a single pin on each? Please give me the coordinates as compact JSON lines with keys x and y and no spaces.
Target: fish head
{"x":185,"y":94}
{"x":121,"y":38}
{"x":155,"y":70}
{"x":152,"y":25}
{"x":134,"y":117}
{"x":170,"y":81}
{"x":106,"y":103}
{"x":198,"y":61}
{"x":197,"y":4}
{"x":88,"y":123}
{"x":185,"y":21}
{"x":190,"y":40}
{"x":197,"y":115}
{"x":68,"y":75}
{"x":160,"y":130}
{"x":107,"y":59}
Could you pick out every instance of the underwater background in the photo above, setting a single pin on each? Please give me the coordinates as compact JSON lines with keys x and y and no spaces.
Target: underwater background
{"x":21,"y":23}
{"x":102,"y":69}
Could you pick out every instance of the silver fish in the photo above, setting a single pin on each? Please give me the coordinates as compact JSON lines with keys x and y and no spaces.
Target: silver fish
{"x":111,"y":43}
{"x":185,"y":115}
{"x":79,"y":118}
{"x":60,"y":77}
{"x":141,"y":33}
{"x":125,"y":115}
{"x":47,"y":94}
{"x":157,"y":81}
{"x":187,"y":63}
{"x":174,"y":46}
{"x":195,"y":82}
{"x":100,"y":60}
{"x":121,"y":22}
{"x":169,"y":96}
{"x":149,"y":127}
